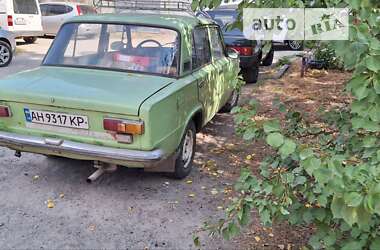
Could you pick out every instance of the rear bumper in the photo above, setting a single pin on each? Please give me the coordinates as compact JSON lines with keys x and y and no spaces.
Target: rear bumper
{"x":249,"y":61}
{"x":82,"y":151}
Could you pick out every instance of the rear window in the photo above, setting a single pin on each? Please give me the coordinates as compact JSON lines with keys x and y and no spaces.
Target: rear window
{"x":124,"y":47}
{"x":25,"y":7}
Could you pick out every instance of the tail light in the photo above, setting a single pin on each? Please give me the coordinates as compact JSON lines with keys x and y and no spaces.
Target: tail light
{"x":79,"y":10}
{"x":5,"y":111}
{"x":124,"y":126}
{"x":244,"y":51}
{"x":10,"y":20}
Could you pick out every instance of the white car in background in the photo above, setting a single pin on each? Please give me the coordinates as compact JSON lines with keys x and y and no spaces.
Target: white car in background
{"x":22,"y":18}
{"x":7,"y":47}
{"x":54,"y":14}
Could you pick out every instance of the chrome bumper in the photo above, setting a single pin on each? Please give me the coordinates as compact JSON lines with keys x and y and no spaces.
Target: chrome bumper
{"x":70,"y":149}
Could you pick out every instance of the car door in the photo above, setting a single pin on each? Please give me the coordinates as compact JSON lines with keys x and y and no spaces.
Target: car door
{"x":204,"y":72}
{"x":54,"y":17}
{"x":222,"y":65}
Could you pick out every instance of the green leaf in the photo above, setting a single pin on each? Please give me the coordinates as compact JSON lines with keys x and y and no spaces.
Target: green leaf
{"x":350,"y":215}
{"x":322,"y":175}
{"x":196,"y":241}
{"x":284,"y":211}
{"x":352,"y":245}
{"x":275,"y":140}
{"x":311,"y":164}
{"x":287,"y":148}
{"x":352,"y":199}
{"x":376,"y":85}
{"x":336,"y":207}
{"x":306,"y":153}
{"x":300,"y":180}
{"x":373,"y":63}
{"x":272,"y":126}
{"x":375,"y":244}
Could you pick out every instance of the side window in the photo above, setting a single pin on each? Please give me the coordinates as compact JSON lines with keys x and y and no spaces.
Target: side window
{"x":56,"y":10}
{"x":201,"y":48}
{"x":217,"y":49}
{"x":44,"y":9}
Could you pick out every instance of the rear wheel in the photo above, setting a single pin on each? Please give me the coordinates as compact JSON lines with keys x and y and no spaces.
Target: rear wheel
{"x":186,"y":151}
{"x":251,"y":75}
{"x":295,"y":45}
{"x":30,"y":39}
{"x":5,"y":54}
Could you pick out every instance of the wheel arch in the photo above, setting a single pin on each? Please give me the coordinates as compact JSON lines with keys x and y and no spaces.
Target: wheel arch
{"x":6,"y":41}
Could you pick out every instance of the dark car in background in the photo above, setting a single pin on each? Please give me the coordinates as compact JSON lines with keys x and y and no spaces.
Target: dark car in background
{"x":252,"y":53}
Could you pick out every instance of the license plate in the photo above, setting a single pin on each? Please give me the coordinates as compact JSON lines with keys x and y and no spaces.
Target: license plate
{"x":20,"y":21}
{"x":56,"y":119}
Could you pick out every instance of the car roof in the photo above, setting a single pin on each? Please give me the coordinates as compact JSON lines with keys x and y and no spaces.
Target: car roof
{"x":172,"y":19}
{"x":64,"y":3}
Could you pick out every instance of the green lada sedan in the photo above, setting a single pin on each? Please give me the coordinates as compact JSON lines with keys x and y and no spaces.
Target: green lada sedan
{"x":122,"y":89}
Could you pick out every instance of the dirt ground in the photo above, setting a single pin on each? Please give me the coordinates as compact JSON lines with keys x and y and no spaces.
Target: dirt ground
{"x":131,"y":209}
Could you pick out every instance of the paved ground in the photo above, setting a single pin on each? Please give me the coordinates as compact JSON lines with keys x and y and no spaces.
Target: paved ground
{"x":128,"y":209}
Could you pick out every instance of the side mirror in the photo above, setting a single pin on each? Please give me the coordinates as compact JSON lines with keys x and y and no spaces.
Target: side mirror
{"x":233,"y":53}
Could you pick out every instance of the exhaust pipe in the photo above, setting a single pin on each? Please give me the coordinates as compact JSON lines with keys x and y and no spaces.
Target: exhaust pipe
{"x":95,"y":175}
{"x":102,"y":168}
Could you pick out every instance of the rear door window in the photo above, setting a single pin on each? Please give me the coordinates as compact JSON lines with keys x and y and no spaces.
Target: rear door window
{"x":201,"y":48}
{"x":25,"y":7}
{"x":58,"y":9}
{"x":217,"y":47}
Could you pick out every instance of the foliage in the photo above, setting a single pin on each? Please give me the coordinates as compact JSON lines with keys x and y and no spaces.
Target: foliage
{"x":326,"y":175}
{"x":325,"y":52}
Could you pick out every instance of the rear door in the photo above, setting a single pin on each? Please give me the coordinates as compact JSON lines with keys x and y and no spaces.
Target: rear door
{"x":222,"y":64}
{"x":54,"y":15}
{"x":3,"y":15}
{"x":204,"y":72}
{"x":26,"y":15}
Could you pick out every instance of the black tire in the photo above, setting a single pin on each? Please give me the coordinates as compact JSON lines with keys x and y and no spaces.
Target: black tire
{"x":6,"y":54}
{"x":232,"y":102}
{"x":268,"y":60}
{"x":251,"y":75}
{"x":184,"y":161}
{"x":30,"y":39}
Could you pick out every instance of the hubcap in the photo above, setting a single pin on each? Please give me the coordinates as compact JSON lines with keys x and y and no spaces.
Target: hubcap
{"x":188,"y":147}
{"x":294,"y":44}
{"x":4,"y":55}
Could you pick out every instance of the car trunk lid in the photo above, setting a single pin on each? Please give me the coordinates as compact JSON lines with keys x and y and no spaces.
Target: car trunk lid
{"x":82,"y":89}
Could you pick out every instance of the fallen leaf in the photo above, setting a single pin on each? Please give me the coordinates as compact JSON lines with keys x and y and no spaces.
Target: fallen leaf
{"x":203,"y":187}
{"x":50,"y":203}
{"x":271,"y":235}
{"x":189,"y":182}
{"x":248,"y":157}
{"x":220,"y":171}
{"x":191,"y":195}
{"x":62,"y":195}
{"x":166,"y":183}
{"x":36,"y":177}
{"x":257,"y":238}
{"x":219,"y":207}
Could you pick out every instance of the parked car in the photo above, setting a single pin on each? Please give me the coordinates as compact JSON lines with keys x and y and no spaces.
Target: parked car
{"x":252,"y":53}
{"x":288,"y":45}
{"x":7,"y":47}
{"x":134,"y":94}
{"x":54,"y":14}
{"x":22,"y":17}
